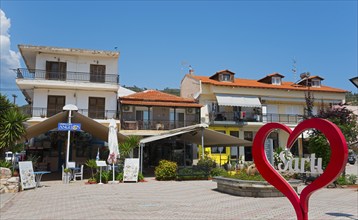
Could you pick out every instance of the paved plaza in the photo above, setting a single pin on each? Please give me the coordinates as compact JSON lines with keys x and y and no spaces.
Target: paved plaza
{"x":165,"y":200}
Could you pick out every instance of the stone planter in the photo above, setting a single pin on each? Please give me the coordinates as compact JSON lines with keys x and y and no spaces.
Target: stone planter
{"x":66,"y":178}
{"x":249,"y":188}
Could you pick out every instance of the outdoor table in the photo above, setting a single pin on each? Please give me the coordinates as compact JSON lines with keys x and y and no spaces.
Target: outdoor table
{"x":38,"y":176}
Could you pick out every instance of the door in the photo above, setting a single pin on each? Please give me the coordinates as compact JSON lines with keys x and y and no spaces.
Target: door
{"x":55,"y":104}
{"x":56,"y":70}
{"x":96,"y":107}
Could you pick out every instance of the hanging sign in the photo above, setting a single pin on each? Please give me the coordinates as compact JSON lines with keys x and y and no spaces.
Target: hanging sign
{"x":69,"y":126}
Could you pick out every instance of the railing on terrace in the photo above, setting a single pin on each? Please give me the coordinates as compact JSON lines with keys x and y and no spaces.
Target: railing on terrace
{"x":222,"y":117}
{"x":46,"y":113}
{"x":36,"y":74}
{"x":156,"y":125}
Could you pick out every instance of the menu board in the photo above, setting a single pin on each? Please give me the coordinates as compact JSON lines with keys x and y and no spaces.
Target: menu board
{"x":131,"y":169}
{"x":27,"y":175}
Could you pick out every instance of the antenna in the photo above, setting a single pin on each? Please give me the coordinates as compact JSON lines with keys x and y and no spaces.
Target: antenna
{"x":294,"y":69}
{"x":186,"y":65}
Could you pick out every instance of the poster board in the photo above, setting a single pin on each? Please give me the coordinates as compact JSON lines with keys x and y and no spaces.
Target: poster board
{"x":27,"y":176}
{"x":131,"y":169}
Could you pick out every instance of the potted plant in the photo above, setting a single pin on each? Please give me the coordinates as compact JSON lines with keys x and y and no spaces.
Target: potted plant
{"x":92,"y":165}
{"x":67,"y":175}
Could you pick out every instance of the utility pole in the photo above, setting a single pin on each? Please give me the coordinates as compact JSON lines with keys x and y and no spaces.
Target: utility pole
{"x":15,"y":96}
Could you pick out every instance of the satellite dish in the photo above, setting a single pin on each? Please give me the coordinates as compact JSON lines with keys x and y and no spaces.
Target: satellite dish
{"x":305,"y":75}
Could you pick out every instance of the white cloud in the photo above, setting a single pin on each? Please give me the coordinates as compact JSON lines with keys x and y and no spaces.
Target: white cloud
{"x":9,"y":59}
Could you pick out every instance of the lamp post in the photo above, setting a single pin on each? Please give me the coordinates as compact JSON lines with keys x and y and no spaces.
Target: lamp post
{"x":69,"y":108}
{"x":15,"y":96}
{"x":354,"y":80}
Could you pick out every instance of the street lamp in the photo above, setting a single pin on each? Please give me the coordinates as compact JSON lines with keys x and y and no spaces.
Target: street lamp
{"x":354,"y":80}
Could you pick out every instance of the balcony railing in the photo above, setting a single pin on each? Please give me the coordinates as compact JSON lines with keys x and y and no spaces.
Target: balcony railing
{"x":47,"y":112}
{"x":32,"y":74}
{"x":238,"y":117}
{"x":155,"y":125}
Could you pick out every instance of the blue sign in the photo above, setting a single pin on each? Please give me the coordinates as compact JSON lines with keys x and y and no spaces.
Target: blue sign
{"x":69,"y":126}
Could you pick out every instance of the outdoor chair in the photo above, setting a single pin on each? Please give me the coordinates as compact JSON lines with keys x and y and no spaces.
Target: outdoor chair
{"x":78,"y":174}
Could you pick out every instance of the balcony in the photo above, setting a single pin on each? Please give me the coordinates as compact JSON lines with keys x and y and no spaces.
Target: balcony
{"x":156,"y":125}
{"x":46,"y":113}
{"x":32,"y":74}
{"x":245,"y":117}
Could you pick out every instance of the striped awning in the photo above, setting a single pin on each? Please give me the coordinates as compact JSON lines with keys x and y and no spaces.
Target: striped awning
{"x":235,"y":100}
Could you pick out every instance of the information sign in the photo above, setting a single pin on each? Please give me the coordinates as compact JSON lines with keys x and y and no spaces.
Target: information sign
{"x":131,"y":169}
{"x":27,"y":175}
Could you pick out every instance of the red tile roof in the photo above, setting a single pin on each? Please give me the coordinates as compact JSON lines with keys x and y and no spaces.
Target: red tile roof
{"x":251,"y":83}
{"x":157,"y":98}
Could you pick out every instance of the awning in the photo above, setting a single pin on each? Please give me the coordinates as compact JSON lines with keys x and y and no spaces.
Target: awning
{"x":193,"y":134}
{"x":235,"y":100}
{"x":87,"y":124}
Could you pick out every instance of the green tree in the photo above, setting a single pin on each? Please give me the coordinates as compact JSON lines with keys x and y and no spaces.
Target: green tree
{"x":126,"y":147}
{"x":12,"y":128}
{"x":347,"y":123}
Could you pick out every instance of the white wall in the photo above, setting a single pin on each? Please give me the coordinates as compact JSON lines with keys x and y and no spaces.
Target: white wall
{"x":78,"y":98}
{"x":77,"y":63}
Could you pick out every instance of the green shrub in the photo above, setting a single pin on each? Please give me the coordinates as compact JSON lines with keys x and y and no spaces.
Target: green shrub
{"x":347,"y":180}
{"x":140,"y":177}
{"x":166,"y":170}
{"x":217,"y":171}
{"x":206,"y":164}
{"x":105,"y":176}
{"x":119,"y":177}
{"x":6,"y":164}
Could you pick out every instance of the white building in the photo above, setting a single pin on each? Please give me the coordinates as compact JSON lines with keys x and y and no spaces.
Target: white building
{"x":55,"y":77}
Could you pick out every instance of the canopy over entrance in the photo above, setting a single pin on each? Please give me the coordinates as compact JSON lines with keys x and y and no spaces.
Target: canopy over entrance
{"x":87,"y":124}
{"x":195,"y":133}
{"x":234,"y":100}
{"x":198,"y":134}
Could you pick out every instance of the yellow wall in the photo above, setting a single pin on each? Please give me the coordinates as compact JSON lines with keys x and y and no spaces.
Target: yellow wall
{"x":216,"y":156}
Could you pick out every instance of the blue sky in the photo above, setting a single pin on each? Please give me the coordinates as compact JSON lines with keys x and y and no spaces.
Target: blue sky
{"x":158,"y":40}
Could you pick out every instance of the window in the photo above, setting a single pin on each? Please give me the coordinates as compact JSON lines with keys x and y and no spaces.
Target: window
{"x":276,"y":80}
{"x":249,"y":136}
{"x":97,"y":73}
{"x":56,"y":70}
{"x":55,"y":104}
{"x":96,"y":107}
{"x":316,"y":83}
{"x":225,"y":77}
{"x":216,"y":150}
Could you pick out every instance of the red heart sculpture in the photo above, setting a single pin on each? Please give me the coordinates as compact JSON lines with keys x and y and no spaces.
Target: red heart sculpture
{"x":338,"y":160}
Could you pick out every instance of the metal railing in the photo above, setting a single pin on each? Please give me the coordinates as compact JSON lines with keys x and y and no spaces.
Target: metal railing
{"x":48,"y":112}
{"x":155,"y":125}
{"x":68,"y":76}
{"x":254,"y":117}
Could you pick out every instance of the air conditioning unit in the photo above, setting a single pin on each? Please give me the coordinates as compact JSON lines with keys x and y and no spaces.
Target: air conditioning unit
{"x":127,"y":108}
{"x":190,"y":110}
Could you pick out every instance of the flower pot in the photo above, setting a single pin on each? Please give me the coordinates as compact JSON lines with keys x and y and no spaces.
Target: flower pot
{"x":66,"y":178}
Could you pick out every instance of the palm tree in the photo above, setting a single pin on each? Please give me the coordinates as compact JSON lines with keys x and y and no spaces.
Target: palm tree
{"x":126,"y":147}
{"x":12,"y":128}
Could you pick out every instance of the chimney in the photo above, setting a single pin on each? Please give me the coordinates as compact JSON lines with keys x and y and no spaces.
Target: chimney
{"x":191,"y":71}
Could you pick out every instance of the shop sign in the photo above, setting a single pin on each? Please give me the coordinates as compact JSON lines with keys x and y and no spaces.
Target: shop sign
{"x":69,"y":126}
{"x":296,"y":166}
